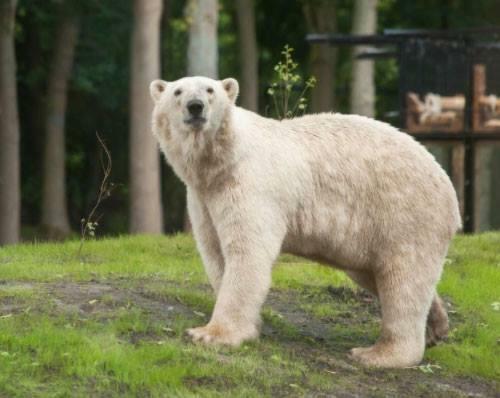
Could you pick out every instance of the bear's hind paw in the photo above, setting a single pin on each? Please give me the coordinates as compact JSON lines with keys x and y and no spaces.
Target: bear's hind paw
{"x":384,"y":356}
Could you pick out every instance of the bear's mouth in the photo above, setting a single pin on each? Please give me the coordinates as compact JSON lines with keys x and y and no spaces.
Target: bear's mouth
{"x":195,"y":121}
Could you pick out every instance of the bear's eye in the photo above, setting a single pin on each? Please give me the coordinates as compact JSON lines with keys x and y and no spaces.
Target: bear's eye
{"x":210,"y":90}
{"x":177,"y":92}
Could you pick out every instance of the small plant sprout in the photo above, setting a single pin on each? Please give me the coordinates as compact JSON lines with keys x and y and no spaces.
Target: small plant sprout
{"x":288,"y":104}
{"x":90,"y":223}
{"x":426,"y":368}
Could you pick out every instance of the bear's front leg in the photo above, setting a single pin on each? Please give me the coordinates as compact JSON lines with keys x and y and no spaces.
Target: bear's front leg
{"x":250,"y":245}
{"x":207,"y":240}
{"x":236,"y":316}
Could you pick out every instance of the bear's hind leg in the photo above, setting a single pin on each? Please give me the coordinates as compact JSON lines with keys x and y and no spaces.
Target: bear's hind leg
{"x":365,"y":279}
{"x":437,"y":322}
{"x":405,"y":295}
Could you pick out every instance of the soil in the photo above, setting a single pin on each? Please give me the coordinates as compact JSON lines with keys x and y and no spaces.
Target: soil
{"x":312,"y":341}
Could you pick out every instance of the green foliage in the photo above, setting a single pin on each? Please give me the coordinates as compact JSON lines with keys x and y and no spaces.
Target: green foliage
{"x":287,"y":103}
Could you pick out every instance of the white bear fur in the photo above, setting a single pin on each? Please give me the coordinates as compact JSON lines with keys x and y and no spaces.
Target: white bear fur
{"x":345,"y":190}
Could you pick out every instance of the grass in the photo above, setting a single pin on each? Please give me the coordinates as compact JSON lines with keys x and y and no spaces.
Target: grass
{"x":472,"y":282}
{"x":112,"y":324}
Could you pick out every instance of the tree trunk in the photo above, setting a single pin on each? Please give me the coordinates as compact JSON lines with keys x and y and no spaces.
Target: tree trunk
{"x":321,"y":18}
{"x":363,"y":77}
{"x":54,"y":217}
{"x":202,"y":49}
{"x":10,"y":195}
{"x":248,"y":54}
{"x":146,"y":214}
{"x":202,"y":57}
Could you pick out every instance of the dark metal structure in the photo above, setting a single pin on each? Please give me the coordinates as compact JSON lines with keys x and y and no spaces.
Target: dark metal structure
{"x":456,"y":69}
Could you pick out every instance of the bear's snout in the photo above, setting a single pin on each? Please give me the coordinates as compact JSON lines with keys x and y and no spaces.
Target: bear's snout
{"x":195,"y":107}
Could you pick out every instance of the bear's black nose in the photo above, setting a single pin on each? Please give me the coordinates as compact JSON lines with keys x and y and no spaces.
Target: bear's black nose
{"x":195,"y":107}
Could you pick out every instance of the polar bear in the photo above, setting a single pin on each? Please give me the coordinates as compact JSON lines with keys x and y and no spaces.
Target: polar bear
{"x":345,"y":190}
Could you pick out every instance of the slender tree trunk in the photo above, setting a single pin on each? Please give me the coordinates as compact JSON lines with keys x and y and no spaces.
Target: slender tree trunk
{"x":321,"y":18}
{"x":363,"y":76}
{"x":54,"y":206}
{"x":202,"y":57}
{"x":202,"y":49}
{"x":10,"y":195}
{"x":248,"y":54}
{"x":146,"y":214}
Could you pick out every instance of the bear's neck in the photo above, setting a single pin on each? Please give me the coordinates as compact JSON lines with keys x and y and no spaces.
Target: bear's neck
{"x":204,"y":163}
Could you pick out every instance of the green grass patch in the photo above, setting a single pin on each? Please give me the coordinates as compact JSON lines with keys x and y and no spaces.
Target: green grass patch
{"x":112,"y":324}
{"x":172,"y":259}
{"x":51,"y":357}
{"x":472,"y":282}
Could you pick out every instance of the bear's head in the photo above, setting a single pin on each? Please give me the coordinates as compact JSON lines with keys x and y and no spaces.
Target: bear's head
{"x":191,"y":105}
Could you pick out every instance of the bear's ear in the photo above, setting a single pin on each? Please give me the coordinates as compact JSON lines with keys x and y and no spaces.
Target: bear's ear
{"x":156,"y":88}
{"x":232,"y":88}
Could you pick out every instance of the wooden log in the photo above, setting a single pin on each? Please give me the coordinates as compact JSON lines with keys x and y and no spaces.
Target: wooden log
{"x":414,"y":107}
{"x":458,"y":174}
{"x":454,"y":103}
{"x":482,"y":191}
{"x":478,"y":91}
{"x":413,"y":103}
{"x":438,"y":103}
{"x":443,"y":113}
{"x":493,"y":124}
{"x":444,"y":118}
{"x":486,"y":101}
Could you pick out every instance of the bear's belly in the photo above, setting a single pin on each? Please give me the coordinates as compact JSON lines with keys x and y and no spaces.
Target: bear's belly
{"x":328,"y":249}
{"x":330,"y":231}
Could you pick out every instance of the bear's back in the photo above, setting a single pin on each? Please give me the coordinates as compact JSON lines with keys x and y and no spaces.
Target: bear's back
{"x":362,"y":164}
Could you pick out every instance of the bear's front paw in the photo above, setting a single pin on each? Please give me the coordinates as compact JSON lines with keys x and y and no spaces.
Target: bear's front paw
{"x":216,"y":334}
